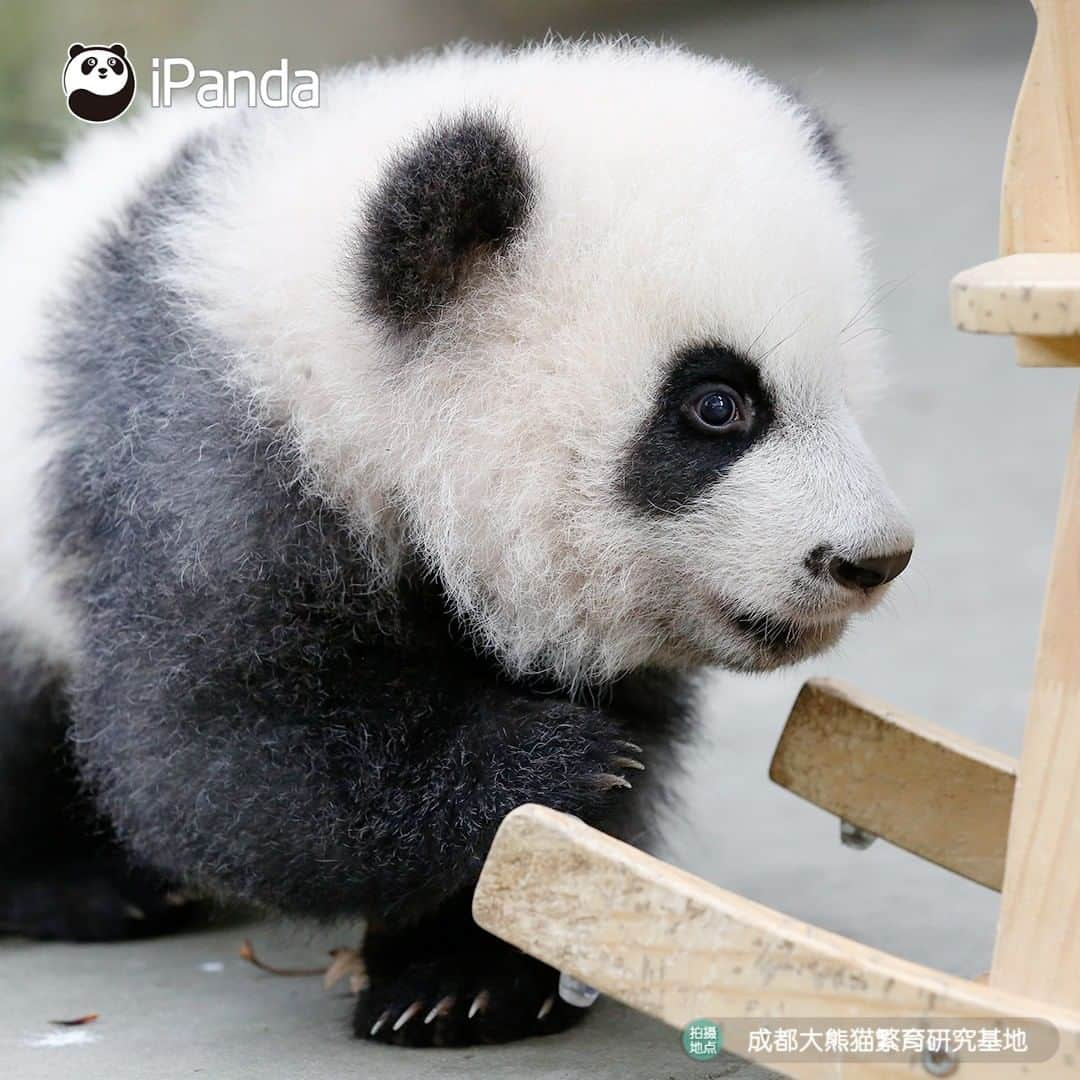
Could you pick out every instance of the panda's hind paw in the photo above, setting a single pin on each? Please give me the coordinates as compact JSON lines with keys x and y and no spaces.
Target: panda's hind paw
{"x":92,"y":899}
{"x":493,"y":994}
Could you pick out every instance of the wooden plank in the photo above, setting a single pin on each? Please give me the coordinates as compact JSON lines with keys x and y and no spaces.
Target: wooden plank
{"x":1038,"y":947}
{"x":1021,"y":294}
{"x":679,"y":949}
{"x":919,"y":786}
{"x":1040,"y":191}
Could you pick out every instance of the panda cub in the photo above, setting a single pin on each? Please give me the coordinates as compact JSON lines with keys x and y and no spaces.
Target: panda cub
{"x":371,"y":470}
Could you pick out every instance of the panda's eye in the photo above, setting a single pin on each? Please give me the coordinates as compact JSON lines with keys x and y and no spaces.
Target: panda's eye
{"x":88,"y":65}
{"x":715,"y":409}
{"x":114,"y":63}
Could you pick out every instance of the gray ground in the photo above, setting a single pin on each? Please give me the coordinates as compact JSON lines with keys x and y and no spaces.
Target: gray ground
{"x":923,"y":92}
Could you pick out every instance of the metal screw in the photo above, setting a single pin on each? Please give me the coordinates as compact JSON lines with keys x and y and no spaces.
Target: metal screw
{"x":853,"y":837}
{"x":939,"y":1063}
{"x":575,"y":992}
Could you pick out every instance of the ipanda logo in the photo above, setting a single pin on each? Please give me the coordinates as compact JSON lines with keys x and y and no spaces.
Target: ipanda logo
{"x":99,"y":83}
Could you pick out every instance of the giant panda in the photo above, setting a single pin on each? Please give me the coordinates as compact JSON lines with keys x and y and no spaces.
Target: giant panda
{"x":370,"y":470}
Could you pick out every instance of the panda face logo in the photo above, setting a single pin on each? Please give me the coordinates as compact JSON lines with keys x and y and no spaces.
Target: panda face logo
{"x":99,"y":82}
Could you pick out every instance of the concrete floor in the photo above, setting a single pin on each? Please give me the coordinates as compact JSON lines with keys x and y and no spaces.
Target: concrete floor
{"x":922,"y":91}
{"x":190,"y":1007}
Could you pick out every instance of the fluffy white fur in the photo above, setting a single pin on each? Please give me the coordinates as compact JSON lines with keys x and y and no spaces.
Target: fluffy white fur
{"x":678,"y":199}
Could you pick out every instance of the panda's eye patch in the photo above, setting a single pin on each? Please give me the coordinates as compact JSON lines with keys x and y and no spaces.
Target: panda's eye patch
{"x":711,"y":408}
{"x":114,"y":63}
{"x":716,"y":409}
{"x":88,"y":65}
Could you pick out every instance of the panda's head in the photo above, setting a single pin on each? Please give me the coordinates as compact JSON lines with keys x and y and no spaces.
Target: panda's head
{"x":99,"y":81}
{"x":581,"y":331}
{"x":621,"y":365}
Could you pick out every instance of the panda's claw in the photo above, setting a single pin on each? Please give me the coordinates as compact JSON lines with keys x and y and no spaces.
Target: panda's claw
{"x":606,"y":780}
{"x":479,"y":1003}
{"x":407,"y":1015}
{"x":377,"y":1026}
{"x":631,"y":746}
{"x":549,"y":1004}
{"x":627,"y":763}
{"x":440,"y":1008}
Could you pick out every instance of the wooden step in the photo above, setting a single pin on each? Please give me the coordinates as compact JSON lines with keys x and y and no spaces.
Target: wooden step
{"x":1033,"y":296}
{"x":921,"y":787}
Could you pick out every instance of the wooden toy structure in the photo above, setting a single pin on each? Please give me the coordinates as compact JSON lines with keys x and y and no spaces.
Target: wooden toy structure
{"x":679,"y":948}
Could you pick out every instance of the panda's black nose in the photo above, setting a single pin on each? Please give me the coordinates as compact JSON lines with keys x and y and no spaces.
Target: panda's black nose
{"x":870,"y":572}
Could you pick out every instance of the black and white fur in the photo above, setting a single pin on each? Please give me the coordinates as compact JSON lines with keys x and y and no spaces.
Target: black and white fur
{"x":352,"y":499}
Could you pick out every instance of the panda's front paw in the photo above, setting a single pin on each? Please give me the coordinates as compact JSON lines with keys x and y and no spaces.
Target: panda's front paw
{"x":573,"y":758}
{"x":484,"y":992}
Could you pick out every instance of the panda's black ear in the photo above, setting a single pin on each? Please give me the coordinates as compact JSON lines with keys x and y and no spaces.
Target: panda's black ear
{"x":75,"y":49}
{"x":452,"y":200}
{"x":119,"y":49}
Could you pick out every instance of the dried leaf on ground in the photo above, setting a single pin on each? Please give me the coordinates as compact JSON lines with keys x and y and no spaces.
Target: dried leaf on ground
{"x":343,"y":962}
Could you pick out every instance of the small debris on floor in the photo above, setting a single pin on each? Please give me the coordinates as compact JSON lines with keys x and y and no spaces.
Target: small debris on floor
{"x":89,"y":1018}
{"x":212,"y":966}
{"x":343,"y":962}
{"x":247,"y":952}
{"x":346,"y":962}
